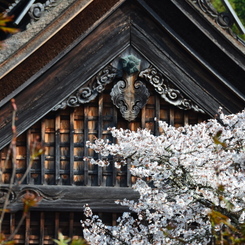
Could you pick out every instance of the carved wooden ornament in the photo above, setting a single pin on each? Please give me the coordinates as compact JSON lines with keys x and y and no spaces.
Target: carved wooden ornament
{"x":88,"y":92}
{"x":163,"y":86}
{"x":130,"y":97}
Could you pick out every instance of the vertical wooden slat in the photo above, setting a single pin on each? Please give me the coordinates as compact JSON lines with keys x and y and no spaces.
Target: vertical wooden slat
{"x":71,"y":150}
{"x":12,"y":223}
{"x":143,"y":116}
{"x":27,"y":228}
{"x":200,"y":118}
{"x":42,"y":157}
{"x":115,"y":170}
{"x":186,"y":118}
{"x":157,"y":115}
{"x":56,"y":224}
{"x":41,"y":230}
{"x":71,"y":224}
{"x":57,"y":149}
{"x":171,"y":116}
{"x":28,"y":154}
{"x":100,"y":121}
{"x":114,"y":219}
{"x":85,"y":140}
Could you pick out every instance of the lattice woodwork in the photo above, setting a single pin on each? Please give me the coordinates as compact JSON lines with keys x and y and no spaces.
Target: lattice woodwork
{"x":64,"y":133}
{"x":42,"y":227}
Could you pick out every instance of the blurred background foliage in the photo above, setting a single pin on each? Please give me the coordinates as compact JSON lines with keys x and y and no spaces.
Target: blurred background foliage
{"x":238,"y":6}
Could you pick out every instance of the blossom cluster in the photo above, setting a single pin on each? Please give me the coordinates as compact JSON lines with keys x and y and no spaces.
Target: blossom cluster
{"x":182,"y":175}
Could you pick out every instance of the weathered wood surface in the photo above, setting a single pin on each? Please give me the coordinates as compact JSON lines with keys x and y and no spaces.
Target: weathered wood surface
{"x":73,"y":198}
{"x":204,"y":78}
{"x":65,"y":76}
{"x":184,"y":65}
{"x":64,"y":134}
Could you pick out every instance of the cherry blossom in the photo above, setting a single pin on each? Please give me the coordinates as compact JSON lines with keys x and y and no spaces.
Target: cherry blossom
{"x":182,"y":176}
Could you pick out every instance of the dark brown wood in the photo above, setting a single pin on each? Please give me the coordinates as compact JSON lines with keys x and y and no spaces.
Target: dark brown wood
{"x":56,"y":224}
{"x":85,"y":148}
{"x":152,"y":37}
{"x":42,"y":157}
{"x":115,"y":32}
{"x":56,"y":176}
{"x":27,"y":228}
{"x":12,"y":223}
{"x":100,"y":129}
{"x":71,"y":224}
{"x":145,"y":28}
{"x":184,"y":81}
{"x":157,"y":115}
{"x":41,"y":229}
{"x":171,"y":116}
{"x":28,"y":155}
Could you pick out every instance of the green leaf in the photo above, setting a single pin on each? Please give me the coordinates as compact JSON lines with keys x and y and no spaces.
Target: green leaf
{"x":61,"y":240}
{"x":78,"y":241}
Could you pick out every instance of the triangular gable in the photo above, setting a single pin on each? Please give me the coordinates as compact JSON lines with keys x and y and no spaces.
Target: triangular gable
{"x":152,"y":33}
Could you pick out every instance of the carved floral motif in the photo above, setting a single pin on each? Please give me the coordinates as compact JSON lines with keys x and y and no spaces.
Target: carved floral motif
{"x":129,"y":97}
{"x":16,"y":196}
{"x":4,"y":194}
{"x":167,"y":92}
{"x":87,"y":93}
{"x":37,"y":9}
{"x":34,"y":9}
{"x":129,"y":94}
{"x":225,"y":20}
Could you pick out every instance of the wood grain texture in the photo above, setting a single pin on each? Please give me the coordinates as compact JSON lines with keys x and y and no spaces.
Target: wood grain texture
{"x":159,"y":41}
{"x":69,"y":198}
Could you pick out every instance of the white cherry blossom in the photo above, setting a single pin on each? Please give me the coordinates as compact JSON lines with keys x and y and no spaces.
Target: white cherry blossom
{"x":182,"y":174}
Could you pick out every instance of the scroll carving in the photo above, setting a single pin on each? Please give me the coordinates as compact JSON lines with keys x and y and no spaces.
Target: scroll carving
{"x":38,"y":193}
{"x":87,"y":93}
{"x":225,"y":20}
{"x":206,"y":6}
{"x":167,"y":92}
{"x":35,"y":9}
{"x":17,"y":195}
{"x":130,"y":98}
{"x":4,"y":194}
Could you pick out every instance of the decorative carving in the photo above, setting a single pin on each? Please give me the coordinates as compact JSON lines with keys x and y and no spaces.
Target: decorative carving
{"x":37,"y":192}
{"x":225,"y":20}
{"x":17,"y":195}
{"x":86,"y":94}
{"x":169,"y":94}
{"x":129,"y":97}
{"x":37,"y":9}
{"x":4,"y":193}
{"x":129,"y":94}
{"x":206,"y":6}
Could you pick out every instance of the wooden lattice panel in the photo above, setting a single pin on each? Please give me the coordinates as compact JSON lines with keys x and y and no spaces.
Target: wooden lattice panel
{"x":42,"y":227}
{"x":64,"y":134}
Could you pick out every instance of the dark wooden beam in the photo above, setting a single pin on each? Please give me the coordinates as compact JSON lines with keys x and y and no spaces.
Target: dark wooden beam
{"x":73,"y":198}
{"x":188,"y":70}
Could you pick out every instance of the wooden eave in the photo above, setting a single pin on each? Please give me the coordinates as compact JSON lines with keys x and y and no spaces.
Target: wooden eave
{"x":173,"y":46}
{"x":51,"y":43}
